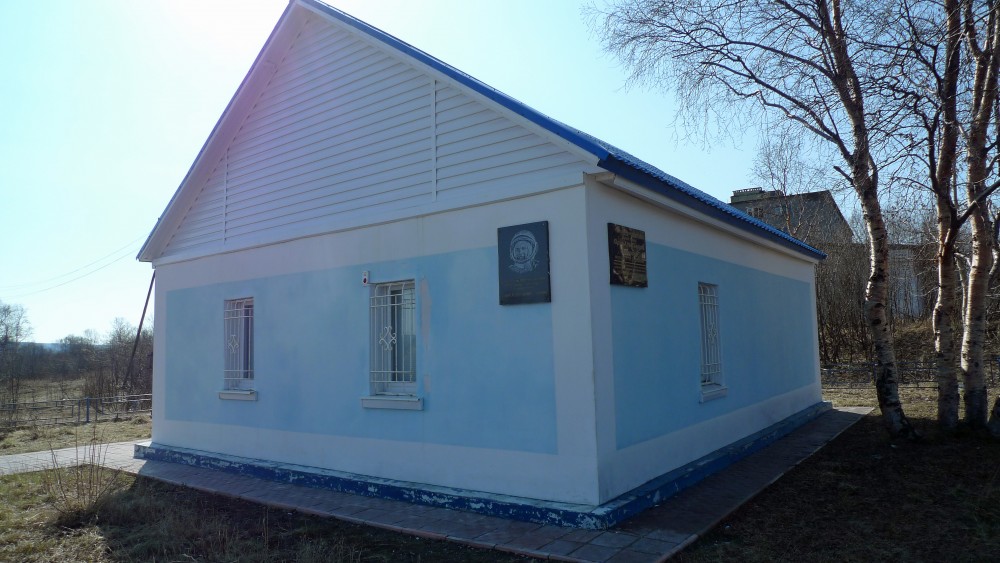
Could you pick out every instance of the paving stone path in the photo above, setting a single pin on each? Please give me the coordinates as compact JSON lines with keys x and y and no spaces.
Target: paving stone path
{"x":654,"y":535}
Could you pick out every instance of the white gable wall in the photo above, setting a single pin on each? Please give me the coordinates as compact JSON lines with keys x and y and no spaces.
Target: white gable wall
{"x":347,"y":133}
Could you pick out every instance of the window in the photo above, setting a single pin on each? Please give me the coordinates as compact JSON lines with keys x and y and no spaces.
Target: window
{"x":711,"y":348}
{"x":239,"y":344}
{"x":393,"y":339}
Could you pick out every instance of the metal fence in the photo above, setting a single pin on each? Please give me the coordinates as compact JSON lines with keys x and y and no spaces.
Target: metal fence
{"x":911,"y":374}
{"x":73,"y":411}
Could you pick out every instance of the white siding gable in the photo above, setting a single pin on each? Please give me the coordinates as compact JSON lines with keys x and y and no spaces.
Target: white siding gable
{"x":349,"y":132}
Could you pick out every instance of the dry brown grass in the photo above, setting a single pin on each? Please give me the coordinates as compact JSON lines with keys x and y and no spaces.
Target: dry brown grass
{"x":151,"y":521}
{"x":37,"y":436}
{"x":865,"y":497}
{"x":51,"y":389}
{"x":42,"y":438}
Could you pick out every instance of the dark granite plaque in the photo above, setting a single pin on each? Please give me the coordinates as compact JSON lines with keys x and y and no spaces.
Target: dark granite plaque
{"x":627,"y":250}
{"x":523,"y":252}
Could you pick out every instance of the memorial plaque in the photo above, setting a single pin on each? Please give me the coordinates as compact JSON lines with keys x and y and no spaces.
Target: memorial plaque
{"x":627,"y":250}
{"x":523,"y":252}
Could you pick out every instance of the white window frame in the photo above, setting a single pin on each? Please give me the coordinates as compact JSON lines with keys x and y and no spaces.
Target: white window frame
{"x":392,"y":334}
{"x":712,"y":383}
{"x":238,"y":349}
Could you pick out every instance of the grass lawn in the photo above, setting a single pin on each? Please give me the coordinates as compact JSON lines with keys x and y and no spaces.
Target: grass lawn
{"x":861,"y":498}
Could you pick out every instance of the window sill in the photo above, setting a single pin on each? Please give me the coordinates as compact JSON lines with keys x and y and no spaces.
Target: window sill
{"x":398,"y":402}
{"x":713,"y":391}
{"x":238,"y":395}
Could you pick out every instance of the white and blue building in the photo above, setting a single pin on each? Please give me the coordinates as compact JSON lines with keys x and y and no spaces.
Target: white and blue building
{"x":383,"y":276}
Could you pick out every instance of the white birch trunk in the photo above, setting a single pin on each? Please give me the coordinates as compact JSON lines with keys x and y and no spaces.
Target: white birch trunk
{"x":948,"y":224}
{"x":944,"y":331}
{"x":984,"y":95}
{"x":973,"y":368}
{"x":876,"y":315}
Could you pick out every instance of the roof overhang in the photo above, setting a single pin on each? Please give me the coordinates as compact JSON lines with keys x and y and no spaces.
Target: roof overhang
{"x":260,"y":72}
{"x":677,"y":202}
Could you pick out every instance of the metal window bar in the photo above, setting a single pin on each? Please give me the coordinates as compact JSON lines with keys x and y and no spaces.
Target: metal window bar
{"x":393,"y":339}
{"x":711,"y":350}
{"x":239,"y":344}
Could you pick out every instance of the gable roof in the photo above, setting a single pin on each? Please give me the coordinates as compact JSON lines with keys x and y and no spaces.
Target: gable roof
{"x":608,"y":157}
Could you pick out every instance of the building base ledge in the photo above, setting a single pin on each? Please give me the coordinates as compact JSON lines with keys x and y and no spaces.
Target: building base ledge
{"x":584,"y":516}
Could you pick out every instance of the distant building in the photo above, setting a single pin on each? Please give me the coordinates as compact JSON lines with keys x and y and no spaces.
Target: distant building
{"x":816,"y":219}
{"x":904,"y":286}
{"x":812,"y":217}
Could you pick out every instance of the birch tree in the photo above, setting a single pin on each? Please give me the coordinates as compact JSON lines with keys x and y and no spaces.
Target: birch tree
{"x":801,"y":61}
{"x":942,"y":164}
{"x":924,"y":56}
{"x":982,"y":36}
{"x":945,"y":57}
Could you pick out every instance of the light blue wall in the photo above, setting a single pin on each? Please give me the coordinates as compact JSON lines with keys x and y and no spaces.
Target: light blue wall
{"x":485,"y":371}
{"x":766,"y":333}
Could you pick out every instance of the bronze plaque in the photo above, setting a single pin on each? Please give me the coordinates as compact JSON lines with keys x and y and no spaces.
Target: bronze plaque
{"x":627,"y":250}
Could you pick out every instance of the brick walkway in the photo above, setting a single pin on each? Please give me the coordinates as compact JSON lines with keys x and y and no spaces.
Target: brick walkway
{"x":654,"y":535}
{"x":118,"y":455}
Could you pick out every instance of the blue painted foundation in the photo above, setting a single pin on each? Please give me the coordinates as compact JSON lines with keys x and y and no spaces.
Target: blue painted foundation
{"x":530,"y":510}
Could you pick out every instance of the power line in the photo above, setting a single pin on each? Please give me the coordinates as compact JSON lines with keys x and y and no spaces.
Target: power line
{"x":17,"y":286}
{"x":67,"y":282}
{"x":118,"y":255}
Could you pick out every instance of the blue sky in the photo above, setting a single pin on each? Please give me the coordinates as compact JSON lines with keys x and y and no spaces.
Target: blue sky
{"x":106,"y":103}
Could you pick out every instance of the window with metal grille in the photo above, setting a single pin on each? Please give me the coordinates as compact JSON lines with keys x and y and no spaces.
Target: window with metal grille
{"x":393,"y":339}
{"x":238,"y":320}
{"x":711,"y":349}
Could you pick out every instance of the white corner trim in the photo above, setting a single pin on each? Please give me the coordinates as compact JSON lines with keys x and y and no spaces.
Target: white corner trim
{"x":713,"y":391}
{"x":399,"y":402}
{"x":239,"y":395}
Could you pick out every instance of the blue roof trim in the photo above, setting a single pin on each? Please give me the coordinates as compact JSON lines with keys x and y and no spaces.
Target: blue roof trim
{"x":608,"y":156}
{"x":211,"y":135}
{"x":664,"y":184}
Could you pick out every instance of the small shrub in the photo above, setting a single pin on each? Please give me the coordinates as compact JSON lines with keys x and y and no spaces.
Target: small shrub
{"x":81,"y":488}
